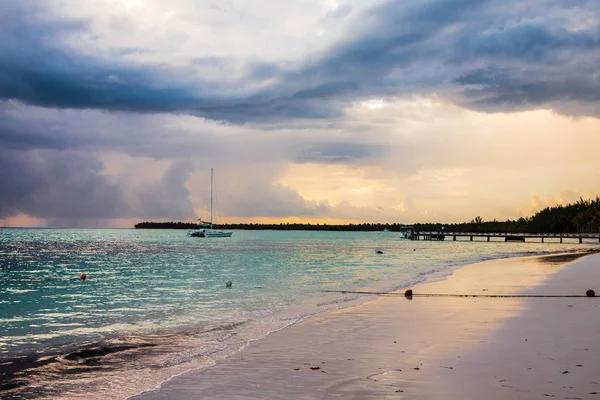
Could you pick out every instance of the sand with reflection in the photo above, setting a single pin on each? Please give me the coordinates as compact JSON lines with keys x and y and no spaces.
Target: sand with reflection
{"x":429,"y":347}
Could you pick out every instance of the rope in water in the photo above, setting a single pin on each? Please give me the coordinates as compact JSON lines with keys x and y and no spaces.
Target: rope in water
{"x":454,"y":295}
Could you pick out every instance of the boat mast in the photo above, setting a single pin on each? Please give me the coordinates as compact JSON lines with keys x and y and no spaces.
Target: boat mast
{"x":211,"y":197}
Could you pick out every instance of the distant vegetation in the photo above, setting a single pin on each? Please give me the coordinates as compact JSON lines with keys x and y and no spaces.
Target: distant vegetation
{"x":166,"y":225}
{"x":279,"y":227}
{"x":582,"y":216}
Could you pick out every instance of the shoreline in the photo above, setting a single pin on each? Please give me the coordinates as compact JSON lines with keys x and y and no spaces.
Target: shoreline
{"x":214,"y":358}
{"x":312,"y":330}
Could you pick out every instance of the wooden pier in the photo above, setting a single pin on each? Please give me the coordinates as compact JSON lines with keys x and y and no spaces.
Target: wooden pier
{"x":506,"y":237}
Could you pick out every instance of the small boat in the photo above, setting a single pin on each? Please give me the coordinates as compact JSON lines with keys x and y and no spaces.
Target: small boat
{"x":210,"y":232}
{"x":205,"y":228}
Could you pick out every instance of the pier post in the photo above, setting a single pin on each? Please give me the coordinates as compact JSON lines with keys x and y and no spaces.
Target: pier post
{"x":454,"y":238}
{"x":542,"y":238}
{"x":488,"y":238}
{"x":471,"y":238}
{"x":561,"y":239}
{"x":580,"y":239}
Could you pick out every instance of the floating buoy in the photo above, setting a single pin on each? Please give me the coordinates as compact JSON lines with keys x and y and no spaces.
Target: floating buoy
{"x":408,"y":293}
{"x":379,"y":251}
{"x":590,"y":293}
{"x":83,"y":277}
{"x":228,"y":284}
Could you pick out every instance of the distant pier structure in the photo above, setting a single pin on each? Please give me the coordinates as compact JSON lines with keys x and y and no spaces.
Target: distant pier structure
{"x":408,"y":232}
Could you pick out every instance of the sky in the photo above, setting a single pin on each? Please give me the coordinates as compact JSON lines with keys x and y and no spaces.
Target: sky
{"x":112,"y":112}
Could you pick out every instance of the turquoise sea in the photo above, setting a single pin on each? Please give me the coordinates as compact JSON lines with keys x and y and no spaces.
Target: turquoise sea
{"x":155,"y":301}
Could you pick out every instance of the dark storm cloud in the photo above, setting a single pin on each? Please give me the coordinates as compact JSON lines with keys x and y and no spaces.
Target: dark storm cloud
{"x":413,"y":47}
{"x":15,"y":138}
{"x":396,"y":49}
{"x":70,"y":188}
{"x":526,"y":42}
{"x":156,"y":136}
{"x":36,"y":70}
{"x":530,"y":66}
{"x":512,"y":90}
{"x":50,"y":184}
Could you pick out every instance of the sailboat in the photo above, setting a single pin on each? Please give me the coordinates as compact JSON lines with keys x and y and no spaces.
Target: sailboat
{"x":205,"y":229}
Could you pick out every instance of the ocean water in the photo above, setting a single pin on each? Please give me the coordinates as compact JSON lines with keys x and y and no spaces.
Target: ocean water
{"x":155,"y":303}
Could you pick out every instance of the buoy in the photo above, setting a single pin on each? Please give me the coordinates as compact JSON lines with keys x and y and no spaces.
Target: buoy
{"x":379,"y":251}
{"x":408,"y":293}
{"x":228,"y":284}
{"x":590,"y":293}
{"x":83,"y":277}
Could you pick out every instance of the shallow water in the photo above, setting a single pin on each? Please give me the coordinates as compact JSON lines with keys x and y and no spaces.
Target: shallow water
{"x":163,"y":294}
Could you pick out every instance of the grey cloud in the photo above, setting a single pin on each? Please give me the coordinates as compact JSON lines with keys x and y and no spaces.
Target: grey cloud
{"x":36,"y":70}
{"x":418,"y":47}
{"x":176,"y":137}
{"x":351,"y":70}
{"x":14,"y":137}
{"x":51,"y":184}
{"x":491,"y":89}
{"x":50,"y":167}
{"x":396,"y":49}
{"x":531,"y":66}
{"x":532,"y":43}
{"x":168,"y":198}
{"x":340,"y":153}
{"x":157,"y":136}
{"x":70,"y":188}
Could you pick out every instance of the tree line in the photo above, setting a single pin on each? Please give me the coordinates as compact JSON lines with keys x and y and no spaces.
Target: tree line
{"x":281,"y":226}
{"x":583,"y":216}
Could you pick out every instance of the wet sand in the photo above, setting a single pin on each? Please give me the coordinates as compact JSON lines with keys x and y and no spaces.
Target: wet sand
{"x":430,"y":347}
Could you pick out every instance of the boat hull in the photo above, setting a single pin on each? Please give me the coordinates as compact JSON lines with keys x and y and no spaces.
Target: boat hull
{"x":208,"y":233}
{"x":218,"y":234}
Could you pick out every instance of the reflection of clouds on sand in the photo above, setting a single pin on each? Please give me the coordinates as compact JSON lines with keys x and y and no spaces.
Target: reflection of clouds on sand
{"x":547,"y":350}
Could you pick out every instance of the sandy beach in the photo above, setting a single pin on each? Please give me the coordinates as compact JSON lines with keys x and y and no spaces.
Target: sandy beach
{"x":430,"y":347}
